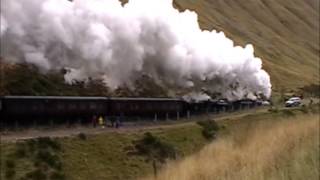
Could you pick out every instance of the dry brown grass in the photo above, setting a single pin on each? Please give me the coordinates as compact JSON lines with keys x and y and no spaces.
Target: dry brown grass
{"x":287,"y":149}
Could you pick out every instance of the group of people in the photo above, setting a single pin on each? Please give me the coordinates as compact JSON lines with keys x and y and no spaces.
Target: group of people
{"x":103,"y":121}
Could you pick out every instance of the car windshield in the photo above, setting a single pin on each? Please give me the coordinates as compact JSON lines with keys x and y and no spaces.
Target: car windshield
{"x":294,"y":99}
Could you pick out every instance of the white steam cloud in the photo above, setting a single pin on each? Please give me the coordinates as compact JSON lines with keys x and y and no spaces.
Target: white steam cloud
{"x":102,"y":38}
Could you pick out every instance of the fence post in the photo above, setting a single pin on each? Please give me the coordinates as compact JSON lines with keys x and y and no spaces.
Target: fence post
{"x":188,"y":114}
{"x":178,"y":115}
{"x":167,"y":116}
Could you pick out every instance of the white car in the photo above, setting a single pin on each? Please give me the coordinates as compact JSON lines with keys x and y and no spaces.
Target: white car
{"x":265,"y":103}
{"x":292,"y":102}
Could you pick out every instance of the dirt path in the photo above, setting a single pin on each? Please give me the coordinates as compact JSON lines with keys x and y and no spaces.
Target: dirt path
{"x":12,"y":136}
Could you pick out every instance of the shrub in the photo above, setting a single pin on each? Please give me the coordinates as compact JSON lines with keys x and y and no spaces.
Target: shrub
{"x":304,"y":109}
{"x":82,"y":136}
{"x":273,"y":109}
{"x":36,"y":174}
{"x":57,"y":176}
{"x":21,"y":150}
{"x":46,"y":142}
{"x":154,"y":150}
{"x":210,"y":128}
{"x":10,"y":164}
{"x":152,"y":147}
{"x":288,"y":112}
{"x":48,"y":158}
{"x":10,"y":173}
{"x":31,"y":144}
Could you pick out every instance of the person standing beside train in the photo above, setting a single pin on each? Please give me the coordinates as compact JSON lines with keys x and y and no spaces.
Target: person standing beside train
{"x":101,"y":121}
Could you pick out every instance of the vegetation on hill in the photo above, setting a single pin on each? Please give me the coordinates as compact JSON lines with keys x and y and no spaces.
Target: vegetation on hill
{"x":109,"y":155}
{"x":103,"y":156}
{"x":284,"y":149}
{"x":285,"y":34}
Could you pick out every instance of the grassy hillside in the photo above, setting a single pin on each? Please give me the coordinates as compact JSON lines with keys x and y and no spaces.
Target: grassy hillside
{"x":106,"y":156}
{"x":103,"y":156}
{"x":285,"y":33}
{"x":285,"y":149}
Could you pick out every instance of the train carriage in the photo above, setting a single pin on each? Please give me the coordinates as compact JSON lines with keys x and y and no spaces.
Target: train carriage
{"x":144,"y":106}
{"x":27,"y":109}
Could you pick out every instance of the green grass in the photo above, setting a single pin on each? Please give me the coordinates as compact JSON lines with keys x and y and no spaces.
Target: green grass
{"x":105,"y":156}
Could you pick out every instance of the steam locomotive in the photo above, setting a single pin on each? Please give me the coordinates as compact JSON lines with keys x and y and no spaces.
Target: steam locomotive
{"x":24,"y":109}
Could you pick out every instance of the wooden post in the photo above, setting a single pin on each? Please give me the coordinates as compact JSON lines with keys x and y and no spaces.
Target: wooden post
{"x":188,"y":114}
{"x":178,"y":115}
{"x":167,"y":116}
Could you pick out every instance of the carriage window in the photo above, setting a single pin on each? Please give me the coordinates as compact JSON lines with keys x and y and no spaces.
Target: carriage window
{"x":101,"y":106}
{"x":35,"y":107}
{"x":118,"y":106}
{"x":61,"y":106}
{"x":82,"y":106}
{"x":134,"y":107}
{"x":93,"y":105}
{"x":72,"y":106}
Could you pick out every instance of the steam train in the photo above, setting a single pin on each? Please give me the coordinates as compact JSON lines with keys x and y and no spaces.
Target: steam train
{"x":25,"y":109}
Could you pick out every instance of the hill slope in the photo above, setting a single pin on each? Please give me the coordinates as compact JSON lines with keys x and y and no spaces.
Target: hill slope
{"x":285,"y":33}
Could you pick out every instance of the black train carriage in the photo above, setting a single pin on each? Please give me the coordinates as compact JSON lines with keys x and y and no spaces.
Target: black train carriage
{"x":31,"y":110}
{"x":25,"y":110}
{"x":145,"y":107}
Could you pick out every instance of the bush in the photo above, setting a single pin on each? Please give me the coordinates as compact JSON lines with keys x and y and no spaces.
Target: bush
{"x":21,"y":150}
{"x":82,"y":136}
{"x":10,"y":164}
{"x":10,"y":173}
{"x":31,"y":144}
{"x":273,"y":109}
{"x":48,"y":158}
{"x":304,"y":109}
{"x":57,"y":176}
{"x":210,"y":128}
{"x":154,"y":148}
{"x":288,"y":112}
{"x":36,"y":174}
{"x":46,"y":142}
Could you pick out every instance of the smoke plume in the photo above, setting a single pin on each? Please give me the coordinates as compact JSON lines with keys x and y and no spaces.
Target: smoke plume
{"x":102,"y":38}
